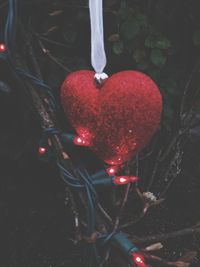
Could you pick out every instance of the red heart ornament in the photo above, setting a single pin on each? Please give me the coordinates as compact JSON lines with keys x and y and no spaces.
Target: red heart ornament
{"x":116,"y":120}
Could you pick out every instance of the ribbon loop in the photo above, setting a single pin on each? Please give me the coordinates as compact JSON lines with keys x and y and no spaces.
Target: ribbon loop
{"x":98,"y":56}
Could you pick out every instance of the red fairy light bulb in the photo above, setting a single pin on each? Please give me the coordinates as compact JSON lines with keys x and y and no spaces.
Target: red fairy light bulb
{"x":138,"y":259}
{"x":133,"y":179}
{"x":2,"y":47}
{"x":77,"y":140}
{"x":80,"y":141}
{"x":121,"y":180}
{"x":42,"y":150}
{"x":112,"y":170}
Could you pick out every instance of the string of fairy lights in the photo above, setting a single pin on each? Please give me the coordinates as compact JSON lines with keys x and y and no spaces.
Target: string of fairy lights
{"x":90,"y":183}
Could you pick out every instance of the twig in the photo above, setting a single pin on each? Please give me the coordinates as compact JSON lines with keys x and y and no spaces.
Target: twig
{"x":173,"y":169}
{"x":166,"y":236}
{"x":126,"y":193}
{"x":125,"y":198}
{"x":154,"y":170}
{"x":105,"y":258}
{"x":34,"y":62}
{"x":55,"y":60}
{"x":49,"y":40}
{"x":170,"y":147}
{"x":76,"y":215}
{"x":163,"y":263}
{"x":187,"y":87}
{"x":104,"y":212}
{"x":136,"y":220}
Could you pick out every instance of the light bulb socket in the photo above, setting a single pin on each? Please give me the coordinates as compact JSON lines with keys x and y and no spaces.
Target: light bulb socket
{"x":120,"y":241}
{"x":101,"y":178}
{"x":100,"y":174}
{"x":107,"y":181}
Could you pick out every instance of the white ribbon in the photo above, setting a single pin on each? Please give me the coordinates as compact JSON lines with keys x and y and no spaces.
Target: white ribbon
{"x":98,"y":56}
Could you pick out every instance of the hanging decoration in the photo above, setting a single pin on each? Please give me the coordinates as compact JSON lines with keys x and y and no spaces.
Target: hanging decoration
{"x":116,"y":116}
{"x":116,"y":120}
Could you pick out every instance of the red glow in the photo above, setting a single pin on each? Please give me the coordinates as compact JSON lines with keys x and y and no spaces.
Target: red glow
{"x":133,"y":179}
{"x":77,"y":140}
{"x":80,"y":141}
{"x":2,"y":47}
{"x":42,"y":150}
{"x":120,"y":180}
{"x":138,"y":259}
{"x":112,"y":170}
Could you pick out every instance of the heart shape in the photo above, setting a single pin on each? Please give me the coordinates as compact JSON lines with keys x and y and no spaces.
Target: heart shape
{"x":118,"y":119}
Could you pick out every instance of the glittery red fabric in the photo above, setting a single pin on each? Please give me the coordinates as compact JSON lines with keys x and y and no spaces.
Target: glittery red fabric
{"x":116,"y":120}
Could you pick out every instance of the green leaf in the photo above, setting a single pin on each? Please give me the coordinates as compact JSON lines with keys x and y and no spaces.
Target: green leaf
{"x":163,"y":43}
{"x":130,"y":29}
{"x":142,"y":20}
{"x":196,"y":37}
{"x":157,"y":58}
{"x":159,"y":42}
{"x":150,"y":41}
{"x":118,"y":47}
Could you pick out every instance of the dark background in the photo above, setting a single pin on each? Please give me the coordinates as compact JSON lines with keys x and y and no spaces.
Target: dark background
{"x":160,"y":38}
